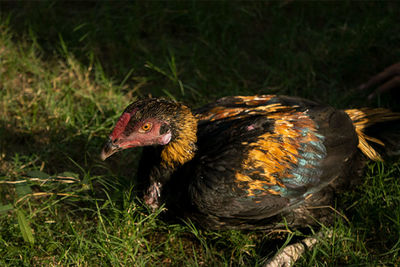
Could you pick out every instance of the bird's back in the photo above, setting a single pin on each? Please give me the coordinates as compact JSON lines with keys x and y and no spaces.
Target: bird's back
{"x":262,"y":156}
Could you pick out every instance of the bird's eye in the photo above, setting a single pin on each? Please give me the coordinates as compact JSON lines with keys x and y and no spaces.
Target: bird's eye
{"x":146,"y":127}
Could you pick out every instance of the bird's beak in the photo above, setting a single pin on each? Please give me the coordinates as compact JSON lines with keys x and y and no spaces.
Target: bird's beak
{"x":108,"y":149}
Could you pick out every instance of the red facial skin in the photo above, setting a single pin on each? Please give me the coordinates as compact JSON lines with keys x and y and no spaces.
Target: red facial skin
{"x":138,"y":136}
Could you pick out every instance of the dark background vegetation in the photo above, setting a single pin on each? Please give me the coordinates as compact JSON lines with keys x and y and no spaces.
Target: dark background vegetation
{"x":67,"y":70}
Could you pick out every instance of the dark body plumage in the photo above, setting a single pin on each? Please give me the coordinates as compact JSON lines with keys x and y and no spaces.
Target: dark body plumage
{"x":251,"y":160}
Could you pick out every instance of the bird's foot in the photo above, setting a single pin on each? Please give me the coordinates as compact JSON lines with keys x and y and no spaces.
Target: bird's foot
{"x":290,"y":254}
{"x":152,"y":196}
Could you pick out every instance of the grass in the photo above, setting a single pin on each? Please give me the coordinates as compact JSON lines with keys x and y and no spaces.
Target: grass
{"x":67,"y":70}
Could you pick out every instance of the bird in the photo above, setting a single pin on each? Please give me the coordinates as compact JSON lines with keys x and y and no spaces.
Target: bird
{"x":248,"y":162}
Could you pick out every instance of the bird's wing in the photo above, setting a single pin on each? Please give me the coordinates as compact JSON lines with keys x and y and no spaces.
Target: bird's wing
{"x":260,"y":155}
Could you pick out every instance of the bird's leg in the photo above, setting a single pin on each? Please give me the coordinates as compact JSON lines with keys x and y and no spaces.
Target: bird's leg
{"x":290,"y":254}
{"x":386,"y":80}
{"x":153,"y":194}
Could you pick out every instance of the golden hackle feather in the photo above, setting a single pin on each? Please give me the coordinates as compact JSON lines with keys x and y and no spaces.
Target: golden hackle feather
{"x":182,"y":148}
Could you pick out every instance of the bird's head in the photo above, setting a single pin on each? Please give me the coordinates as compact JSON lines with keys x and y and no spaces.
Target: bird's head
{"x":149,"y":122}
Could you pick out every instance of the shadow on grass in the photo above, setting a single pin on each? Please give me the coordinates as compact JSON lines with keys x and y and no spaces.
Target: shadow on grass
{"x":316,"y":50}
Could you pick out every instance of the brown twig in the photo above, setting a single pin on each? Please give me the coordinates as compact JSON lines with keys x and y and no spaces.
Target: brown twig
{"x":61,"y":179}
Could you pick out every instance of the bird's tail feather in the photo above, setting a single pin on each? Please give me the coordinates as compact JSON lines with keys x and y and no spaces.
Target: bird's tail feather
{"x":364,"y":118}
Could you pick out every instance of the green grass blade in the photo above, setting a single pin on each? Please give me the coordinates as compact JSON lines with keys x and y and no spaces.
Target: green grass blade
{"x":38,"y":174}
{"x":5,"y":208}
{"x":26,"y":230}
{"x":23,"y":189}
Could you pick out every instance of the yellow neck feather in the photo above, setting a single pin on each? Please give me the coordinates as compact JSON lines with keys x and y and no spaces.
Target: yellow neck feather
{"x":182,"y":148}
